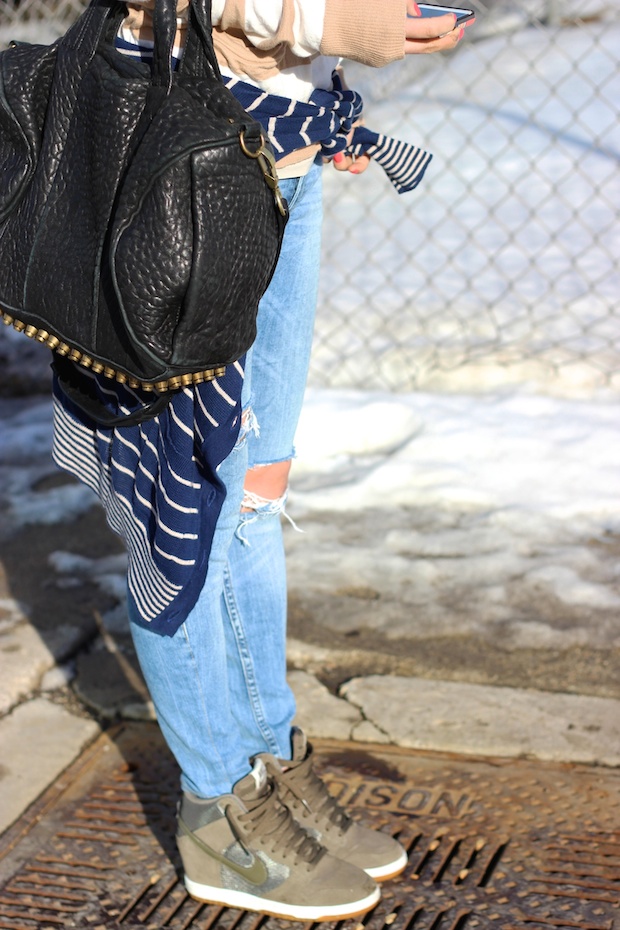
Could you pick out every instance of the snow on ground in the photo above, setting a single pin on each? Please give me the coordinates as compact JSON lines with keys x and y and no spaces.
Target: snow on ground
{"x":496,"y":515}
{"x":536,"y":454}
{"x":25,"y":463}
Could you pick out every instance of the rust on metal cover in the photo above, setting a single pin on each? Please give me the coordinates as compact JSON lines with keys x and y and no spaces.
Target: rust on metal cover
{"x":493,"y":844}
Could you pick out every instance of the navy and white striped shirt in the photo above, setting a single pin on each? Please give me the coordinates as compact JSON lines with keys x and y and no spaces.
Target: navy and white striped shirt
{"x":157,"y":482}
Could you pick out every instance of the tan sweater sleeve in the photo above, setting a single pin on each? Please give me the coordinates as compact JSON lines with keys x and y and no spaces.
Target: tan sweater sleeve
{"x":369,"y":31}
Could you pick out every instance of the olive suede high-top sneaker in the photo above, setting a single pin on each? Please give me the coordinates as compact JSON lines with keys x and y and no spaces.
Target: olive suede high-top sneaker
{"x":245,"y":850}
{"x":313,"y":807}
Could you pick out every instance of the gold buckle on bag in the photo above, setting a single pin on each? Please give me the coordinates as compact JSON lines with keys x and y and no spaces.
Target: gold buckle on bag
{"x":267,"y":162}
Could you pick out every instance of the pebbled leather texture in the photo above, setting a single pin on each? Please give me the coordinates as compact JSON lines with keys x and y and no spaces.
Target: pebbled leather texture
{"x":132,"y":224}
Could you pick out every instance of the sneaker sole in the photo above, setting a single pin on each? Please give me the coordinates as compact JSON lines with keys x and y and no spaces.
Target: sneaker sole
{"x":381,"y":873}
{"x":209,"y":894}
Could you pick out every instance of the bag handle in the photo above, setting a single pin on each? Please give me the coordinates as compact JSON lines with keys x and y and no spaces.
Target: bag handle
{"x":86,"y":32}
{"x":199,"y":50}
{"x":85,"y":35}
{"x":164,"y":28}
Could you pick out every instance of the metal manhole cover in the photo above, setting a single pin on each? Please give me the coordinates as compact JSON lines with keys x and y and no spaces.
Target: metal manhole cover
{"x":509,"y":845}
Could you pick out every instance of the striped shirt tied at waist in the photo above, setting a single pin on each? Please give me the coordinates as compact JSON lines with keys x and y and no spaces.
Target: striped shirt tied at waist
{"x":327,"y":119}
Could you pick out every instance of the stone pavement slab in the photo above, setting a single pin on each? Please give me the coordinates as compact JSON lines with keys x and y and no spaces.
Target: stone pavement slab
{"x":489,"y":721}
{"x":407,"y":711}
{"x":322,"y":714}
{"x":37,"y":742}
{"x":25,"y":658}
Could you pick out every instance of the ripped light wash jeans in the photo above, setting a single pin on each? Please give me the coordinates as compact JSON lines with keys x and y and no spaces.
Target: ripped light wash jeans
{"x":219,"y":684}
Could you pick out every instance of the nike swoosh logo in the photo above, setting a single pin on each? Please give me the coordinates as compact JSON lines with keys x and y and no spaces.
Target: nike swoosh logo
{"x":256,"y":873}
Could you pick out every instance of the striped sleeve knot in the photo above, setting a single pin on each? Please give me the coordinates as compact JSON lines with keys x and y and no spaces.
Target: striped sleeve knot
{"x":327,"y":120}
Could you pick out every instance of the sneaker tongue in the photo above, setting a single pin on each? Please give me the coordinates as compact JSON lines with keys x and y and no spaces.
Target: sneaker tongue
{"x":299,"y":745}
{"x":254,"y":785}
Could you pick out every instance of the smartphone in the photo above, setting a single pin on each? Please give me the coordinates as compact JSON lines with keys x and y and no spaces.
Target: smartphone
{"x":463,"y":15}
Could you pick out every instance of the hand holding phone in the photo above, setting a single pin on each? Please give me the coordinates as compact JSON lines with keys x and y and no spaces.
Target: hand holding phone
{"x":432,"y":27}
{"x":463,"y":14}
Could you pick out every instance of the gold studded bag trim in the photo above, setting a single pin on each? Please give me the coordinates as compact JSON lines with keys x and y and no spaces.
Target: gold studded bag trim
{"x":74,"y":355}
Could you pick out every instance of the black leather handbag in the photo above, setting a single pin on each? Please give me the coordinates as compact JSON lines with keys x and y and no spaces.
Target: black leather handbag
{"x":140,"y":215}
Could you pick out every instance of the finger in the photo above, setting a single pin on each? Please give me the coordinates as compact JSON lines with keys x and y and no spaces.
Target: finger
{"x":352,"y":164}
{"x":342,"y":162}
{"x":412,"y":8}
{"x":360,"y":164}
{"x":440,"y":44}
{"x":429,"y":27}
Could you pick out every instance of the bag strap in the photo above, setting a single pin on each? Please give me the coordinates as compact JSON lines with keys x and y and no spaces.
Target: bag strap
{"x":199,"y":49}
{"x":71,"y":386}
{"x":85,"y":34}
{"x":164,"y":28}
{"x":83,"y":38}
{"x":199,"y":54}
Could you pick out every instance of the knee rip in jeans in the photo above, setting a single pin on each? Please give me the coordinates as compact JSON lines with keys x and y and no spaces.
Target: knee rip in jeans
{"x":255,"y":507}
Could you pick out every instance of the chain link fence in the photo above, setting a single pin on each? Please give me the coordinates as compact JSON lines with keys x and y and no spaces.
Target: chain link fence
{"x":502,"y":267}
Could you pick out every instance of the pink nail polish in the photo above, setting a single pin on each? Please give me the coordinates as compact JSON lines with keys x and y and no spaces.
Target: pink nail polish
{"x":417,"y":9}
{"x":338,"y":158}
